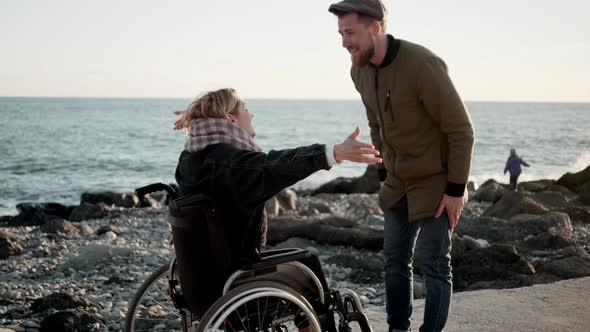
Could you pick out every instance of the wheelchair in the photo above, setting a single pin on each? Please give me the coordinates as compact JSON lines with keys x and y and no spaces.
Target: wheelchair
{"x":277,"y":292}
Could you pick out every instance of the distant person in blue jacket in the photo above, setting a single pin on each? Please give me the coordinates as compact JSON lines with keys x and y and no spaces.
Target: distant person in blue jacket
{"x":513,"y":166}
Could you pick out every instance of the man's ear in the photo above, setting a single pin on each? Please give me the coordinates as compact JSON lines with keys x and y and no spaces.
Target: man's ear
{"x":375,"y":27}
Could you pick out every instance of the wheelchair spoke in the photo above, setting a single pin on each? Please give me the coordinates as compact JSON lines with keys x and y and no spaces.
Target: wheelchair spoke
{"x":264,"y":312}
{"x":258,"y":307}
{"x":171,"y":310}
{"x":247,"y":317}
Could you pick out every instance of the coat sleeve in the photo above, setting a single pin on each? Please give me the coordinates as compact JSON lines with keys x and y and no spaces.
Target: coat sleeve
{"x":256,"y":176}
{"x":442,"y":102}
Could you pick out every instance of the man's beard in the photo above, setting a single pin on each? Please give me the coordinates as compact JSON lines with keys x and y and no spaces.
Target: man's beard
{"x":364,"y":58}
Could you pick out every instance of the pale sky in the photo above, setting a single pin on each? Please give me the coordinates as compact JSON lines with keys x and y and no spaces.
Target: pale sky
{"x":524,"y":50}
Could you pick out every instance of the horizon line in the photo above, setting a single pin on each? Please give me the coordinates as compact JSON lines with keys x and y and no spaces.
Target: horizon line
{"x":288,"y":99}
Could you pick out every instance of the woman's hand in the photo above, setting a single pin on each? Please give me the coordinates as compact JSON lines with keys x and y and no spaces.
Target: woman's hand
{"x":354,"y":150}
{"x":178,"y":125}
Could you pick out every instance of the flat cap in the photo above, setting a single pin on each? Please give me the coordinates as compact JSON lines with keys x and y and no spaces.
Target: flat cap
{"x":371,"y":8}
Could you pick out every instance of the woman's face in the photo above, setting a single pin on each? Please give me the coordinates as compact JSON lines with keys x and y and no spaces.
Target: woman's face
{"x":243,"y":118}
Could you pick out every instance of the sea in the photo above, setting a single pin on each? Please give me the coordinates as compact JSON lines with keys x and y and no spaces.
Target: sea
{"x":55,"y":149}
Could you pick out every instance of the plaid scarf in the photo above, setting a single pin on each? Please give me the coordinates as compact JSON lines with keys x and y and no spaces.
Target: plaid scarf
{"x":207,"y":131}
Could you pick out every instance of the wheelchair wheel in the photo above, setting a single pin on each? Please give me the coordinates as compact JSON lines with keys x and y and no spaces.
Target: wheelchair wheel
{"x":152,"y":308}
{"x":260,"y":306}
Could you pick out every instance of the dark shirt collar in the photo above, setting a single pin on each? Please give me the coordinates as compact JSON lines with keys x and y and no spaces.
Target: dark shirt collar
{"x":392,"y":50}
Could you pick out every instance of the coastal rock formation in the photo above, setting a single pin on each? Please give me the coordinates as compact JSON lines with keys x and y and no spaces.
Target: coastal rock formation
{"x":368,"y":183}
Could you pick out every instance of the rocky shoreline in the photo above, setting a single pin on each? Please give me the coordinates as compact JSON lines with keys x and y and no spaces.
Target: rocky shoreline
{"x":83,"y":264}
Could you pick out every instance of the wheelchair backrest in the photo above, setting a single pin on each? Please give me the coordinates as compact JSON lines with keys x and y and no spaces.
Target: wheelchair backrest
{"x":205,"y":256}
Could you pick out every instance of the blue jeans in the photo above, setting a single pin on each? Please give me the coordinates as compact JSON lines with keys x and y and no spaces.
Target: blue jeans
{"x":434,"y":253}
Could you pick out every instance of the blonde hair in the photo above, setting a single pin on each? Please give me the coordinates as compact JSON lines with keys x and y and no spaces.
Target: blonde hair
{"x":213,"y":104}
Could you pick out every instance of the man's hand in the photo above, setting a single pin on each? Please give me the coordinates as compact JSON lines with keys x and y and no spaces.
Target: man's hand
{"x":178,"y":125}
{"x":354,"y":150}
{"x":453,"y":206}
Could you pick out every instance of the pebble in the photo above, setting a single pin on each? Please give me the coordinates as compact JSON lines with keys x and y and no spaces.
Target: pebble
{"x":111,"y":236}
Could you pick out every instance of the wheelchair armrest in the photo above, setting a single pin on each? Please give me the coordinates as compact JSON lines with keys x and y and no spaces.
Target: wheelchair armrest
{"x":275,"y":257}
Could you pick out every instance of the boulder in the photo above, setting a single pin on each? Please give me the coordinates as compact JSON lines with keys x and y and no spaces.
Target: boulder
{"x":86,"y":211}
{"x":573,"y":181}
{"x":491,"y":191}
{"x":109,"y":198}
{"x":578,"y":214}
{"x":8,"y":245}
{"x":72,"y":320}
{"x":569,"y":267}
{"x":35,"y":214}
{"x":513,"y":203}
{"x":367,"y":183}
{"x":546,"y":240}
{"x":111,"y":228}
{"x":555,"y":222}
{"x":515,"y":229}
{"x":59,"y":226}
{"x":535,"y":186}
{"x":584,"y":193}
{"x":551,"y":199}
{"x":494,"y":263}
{"x":147,"y":201}
{"x":61,"y":301}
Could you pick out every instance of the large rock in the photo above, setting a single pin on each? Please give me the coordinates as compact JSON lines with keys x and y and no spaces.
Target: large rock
{"x":61,"y":301}
{"x":491,"y":191}
{"x":573,"y":181}
{"x":34,"y":214}
{"x":546,"y":240}
{"x":494,"y":263}
{"x":8,"y":245}
{"x":367,"y":183}
{"x":110,"y":198}
{"x":578,"y":214}
{"x":59,"y":226}
{"x":513,"y":203}
{"x":552,"y":199}
{"x":584,"y":193}
{"x":72,"y":320}
{"x":555,"y":222}
{"x":569,"y":267}
{"x":87,"y":211}
{"x":515,"y":229}
{"x":535,"y":186}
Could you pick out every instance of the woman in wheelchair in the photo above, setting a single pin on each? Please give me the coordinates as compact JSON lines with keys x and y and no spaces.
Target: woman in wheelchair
{"x":219,"y":224}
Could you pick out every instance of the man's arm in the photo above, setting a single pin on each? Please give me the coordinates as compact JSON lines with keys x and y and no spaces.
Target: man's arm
{"x":524,"y":163}
{"x":442,"y":102}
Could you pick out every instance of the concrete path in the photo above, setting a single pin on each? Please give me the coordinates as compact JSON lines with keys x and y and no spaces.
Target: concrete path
{"x":560,"y":306}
